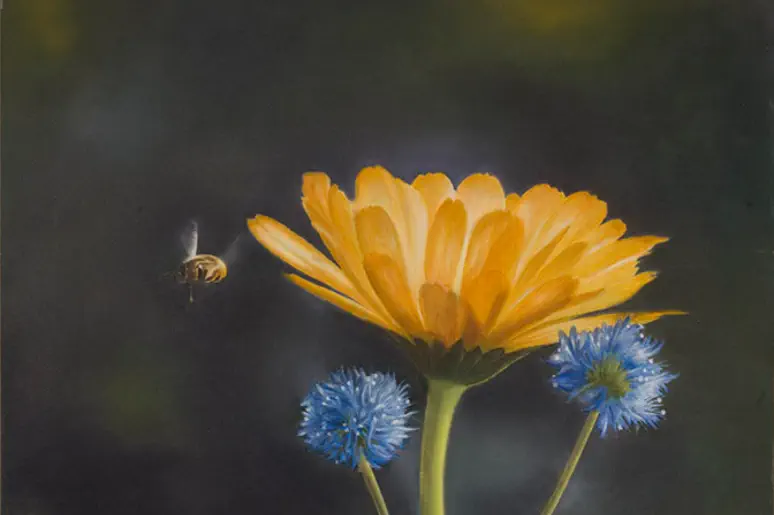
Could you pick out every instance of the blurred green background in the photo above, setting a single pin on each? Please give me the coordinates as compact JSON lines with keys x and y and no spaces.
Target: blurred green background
{"x":122,"y":120}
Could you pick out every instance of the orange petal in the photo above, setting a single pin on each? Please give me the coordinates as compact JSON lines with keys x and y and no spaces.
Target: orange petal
{"x":415,"y":232}
{"x":298,"y":253}
{"x":485,"y":233}
{"x":549,"y":334}
{"x":613,"y":295}
{"x":434,"y":188}
{"x":315,"y":189}
{"x":486,"y":296}
{"x":528,"y":270}
{"x":375,"y":186}
{"x":331,"y":216}
{"x":389,"y":283}
{"x":443,"y":314}
{"x":506,"y":250}
{"x":444,"y":243}
{"x":338,"y":232}
{"x":581,"y":212}
{"x":376,"y":234}
{"x":605,"y":234}
{"x":563,"y":263}
{"x":536,"y":305}
{"x":343,"y":303}
{"x":536,"y":206}
{"x":611,"y":277}
{"x":472,"y":334}
{"x":481,"y":194}
{"x":346,"y":250}
{"x":598,"y":300}
{"x":511,"y":201}
{"x":617,"y":253}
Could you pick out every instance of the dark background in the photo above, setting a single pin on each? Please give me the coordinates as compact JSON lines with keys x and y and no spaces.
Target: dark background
{"x":122,"y":120}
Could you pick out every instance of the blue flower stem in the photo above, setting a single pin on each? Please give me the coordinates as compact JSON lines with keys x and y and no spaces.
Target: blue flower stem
{"x":442,"y":399}
{"x":371,"y":484}
{"x":569,"y":467}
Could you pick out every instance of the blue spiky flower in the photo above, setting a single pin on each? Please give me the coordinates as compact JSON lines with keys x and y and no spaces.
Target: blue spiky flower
{"x":612,"y":370}
{"x":354,"y":413}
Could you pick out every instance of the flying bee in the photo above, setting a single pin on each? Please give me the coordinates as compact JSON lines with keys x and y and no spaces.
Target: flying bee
{"x":201,"y":268}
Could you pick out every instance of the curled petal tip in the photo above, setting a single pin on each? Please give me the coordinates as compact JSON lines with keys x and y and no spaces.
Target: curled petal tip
{"x":258,"y":219}
{"x":256,"y":222}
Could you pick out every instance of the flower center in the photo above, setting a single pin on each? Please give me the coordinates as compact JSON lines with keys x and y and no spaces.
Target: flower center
{"x":608,"y":374}
{"x":360,"y":432}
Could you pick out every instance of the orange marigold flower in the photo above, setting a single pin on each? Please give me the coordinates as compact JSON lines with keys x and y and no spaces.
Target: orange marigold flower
{"x":442,"y":265}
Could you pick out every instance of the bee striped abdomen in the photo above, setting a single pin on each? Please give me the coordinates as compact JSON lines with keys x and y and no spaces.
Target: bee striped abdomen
{"x":204,"y":268}
{"x":215,"y":275}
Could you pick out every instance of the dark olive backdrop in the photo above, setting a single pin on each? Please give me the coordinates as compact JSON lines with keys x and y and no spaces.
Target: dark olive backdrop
{"x":124,"y":119}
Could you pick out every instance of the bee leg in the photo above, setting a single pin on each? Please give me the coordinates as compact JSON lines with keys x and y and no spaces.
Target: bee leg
{"x":190,"y":293}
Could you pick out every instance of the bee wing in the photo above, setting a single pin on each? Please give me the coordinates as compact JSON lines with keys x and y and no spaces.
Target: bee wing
{"x":190,"y":240}
{"x":232,"y":252}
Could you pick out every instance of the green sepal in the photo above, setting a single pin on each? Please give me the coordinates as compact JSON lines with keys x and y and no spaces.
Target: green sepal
{"x":456,"y":364}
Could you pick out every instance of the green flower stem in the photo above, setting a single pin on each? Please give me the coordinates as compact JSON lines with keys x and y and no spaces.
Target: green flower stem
{"x":442,"y":398}
{"x":569,"y":468}
{"x":373,"y":487}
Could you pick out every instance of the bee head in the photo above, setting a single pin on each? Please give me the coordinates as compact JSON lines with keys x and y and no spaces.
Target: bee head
{"x":179,"y":274}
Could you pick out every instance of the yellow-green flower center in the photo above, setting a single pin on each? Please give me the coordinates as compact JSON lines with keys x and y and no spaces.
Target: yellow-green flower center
{"x":608,"y":374}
